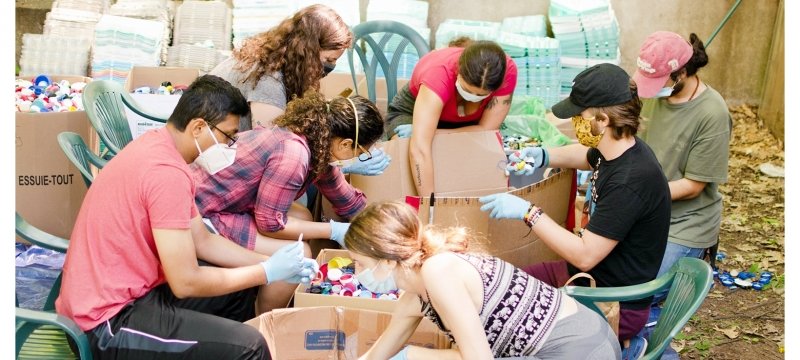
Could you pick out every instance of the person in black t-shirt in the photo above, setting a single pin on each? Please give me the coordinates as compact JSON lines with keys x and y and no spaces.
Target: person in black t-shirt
{"x":624,"y":240}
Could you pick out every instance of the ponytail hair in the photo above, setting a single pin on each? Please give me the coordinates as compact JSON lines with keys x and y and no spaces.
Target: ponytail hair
{"x":699,"y":57}
{"x":320,"y":120}
{"x":392,"y":231}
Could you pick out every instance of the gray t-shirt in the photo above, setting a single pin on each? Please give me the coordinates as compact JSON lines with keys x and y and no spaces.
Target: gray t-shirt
{"x":691,"y":140}
{"x":269,"y":89}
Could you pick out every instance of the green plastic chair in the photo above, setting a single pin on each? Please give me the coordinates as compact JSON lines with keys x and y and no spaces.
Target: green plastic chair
{"x":376,"y":46}
{"x":105,"y":102}
{"x":79,"y":154}
{"x":688,"y":281}
{"x":42,"y":334}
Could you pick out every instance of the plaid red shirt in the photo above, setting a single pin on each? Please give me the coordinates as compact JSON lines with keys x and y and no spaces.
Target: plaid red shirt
{"x":256,"y":191}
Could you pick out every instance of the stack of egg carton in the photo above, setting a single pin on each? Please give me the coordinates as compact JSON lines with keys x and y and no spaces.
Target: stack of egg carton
{"x":121,"y":43}
{"x":199,"y":56}
{"x":74,"y":18}
{"x":50,"y":54}
{"x":198,"y":21}
{"x":413,"y":13}
{"x":538,"y":65}
{"x":588,"y":33}
{"x":251,"y":17}
{"x":157,"y":10}
{"x":450,"y":29}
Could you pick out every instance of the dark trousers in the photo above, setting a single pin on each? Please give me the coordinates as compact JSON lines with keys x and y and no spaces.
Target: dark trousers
{"x":161,"y":326}
{"x":555,"y":273}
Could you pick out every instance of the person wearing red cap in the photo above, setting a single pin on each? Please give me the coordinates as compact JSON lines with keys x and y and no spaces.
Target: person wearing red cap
{"x":624,"y":240}
{"x":688,"y":126}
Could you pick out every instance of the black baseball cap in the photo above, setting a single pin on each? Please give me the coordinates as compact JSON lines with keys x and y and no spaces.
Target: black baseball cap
{"x":598,"y":86}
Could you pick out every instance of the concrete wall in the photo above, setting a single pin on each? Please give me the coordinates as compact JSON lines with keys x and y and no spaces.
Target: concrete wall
{"x":738,"y":55}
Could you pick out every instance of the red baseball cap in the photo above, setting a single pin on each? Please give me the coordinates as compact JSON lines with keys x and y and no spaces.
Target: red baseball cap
{"x":662,"y":53}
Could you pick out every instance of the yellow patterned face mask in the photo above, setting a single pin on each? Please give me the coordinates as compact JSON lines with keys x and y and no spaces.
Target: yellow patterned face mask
{"x":583,"y":131}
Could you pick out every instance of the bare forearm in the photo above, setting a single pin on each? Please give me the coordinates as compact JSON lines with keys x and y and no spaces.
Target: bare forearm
{"x":563,"y":242}
{"x":417,"y":352}
{"x":295,"y":226}
{"x":225,"y":253}
{"x":685,"y":189}
{"x":422,"y":172}
{"x":569,"y":157}
{"x":207,"y":281}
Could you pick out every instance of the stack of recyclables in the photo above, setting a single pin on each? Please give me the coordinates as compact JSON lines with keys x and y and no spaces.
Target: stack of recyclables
{"x":198,"y":21}
{"x":157,"y":10}
{"x":538,"y":61}
{"x":121,"y":43}
{"x":51,"y":54}
{"x":450,"y":29}
{"x":73,"y":18}
{"x":200,"y":57}
{"x":588,"y":33}
{"x":533,"y":25}
{"x":251,"y":17}
{"x":409,"y":12}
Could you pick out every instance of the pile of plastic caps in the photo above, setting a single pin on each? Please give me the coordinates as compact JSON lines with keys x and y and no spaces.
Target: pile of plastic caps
{"x":166,"y":88}
{"x":43,"y":95}
{"x":511,"y":143}
{"x":337,"y":277}
{"x":741,"y":279}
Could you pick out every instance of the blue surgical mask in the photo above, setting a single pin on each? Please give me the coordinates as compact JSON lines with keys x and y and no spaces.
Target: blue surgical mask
{"x":367,"y":278}
{"x":667,"y":91}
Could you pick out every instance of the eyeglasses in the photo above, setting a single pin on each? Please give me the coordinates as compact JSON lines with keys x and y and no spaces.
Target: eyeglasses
{"x":231,"y":139}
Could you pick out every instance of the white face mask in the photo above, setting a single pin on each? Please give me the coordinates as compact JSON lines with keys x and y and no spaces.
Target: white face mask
{"x":367,"y":278}
{"x":469,"y":96}
{"x":216,"y":157}
{"x":343,"y":163}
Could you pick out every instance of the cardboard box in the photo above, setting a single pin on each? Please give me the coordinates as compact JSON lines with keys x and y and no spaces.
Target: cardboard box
{"x":49,"y":188}
{"x":463,"y":163}
{"x":159,"y":105}
{"x":304,"y":299}
{"x":510,"y":240}
{"x":333,"y":333}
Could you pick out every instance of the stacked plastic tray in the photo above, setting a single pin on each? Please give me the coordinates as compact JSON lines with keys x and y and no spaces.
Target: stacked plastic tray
{"x":588,"y":33}
{"x":533,"y":25}
{"x":194,"y":56}
{"x":538,"y":65}
{"x":122,"y":42}
{"x":409,"y":12}
{"x":50,"y":54}
{"x":157,"y":10}
{"x":198,"y":21}
{"x":450,"y":29}
{"x":251,"y":17}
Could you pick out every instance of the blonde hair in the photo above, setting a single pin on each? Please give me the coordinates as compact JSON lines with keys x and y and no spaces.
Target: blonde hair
{"x":392,"y":231}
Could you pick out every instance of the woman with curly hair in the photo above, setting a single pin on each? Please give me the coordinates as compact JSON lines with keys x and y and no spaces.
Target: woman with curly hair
{"x":272,"y":67}
{"x":488,"y":307}
{"x":252,"y":201}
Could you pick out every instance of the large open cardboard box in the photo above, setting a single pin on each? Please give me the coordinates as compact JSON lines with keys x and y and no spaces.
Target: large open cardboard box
{"x":49,"y":189}
{"x":304,"y":299}
{"x":333,"y":333}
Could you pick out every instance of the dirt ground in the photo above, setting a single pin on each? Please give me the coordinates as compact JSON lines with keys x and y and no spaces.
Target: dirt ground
{"x":745,"y":324}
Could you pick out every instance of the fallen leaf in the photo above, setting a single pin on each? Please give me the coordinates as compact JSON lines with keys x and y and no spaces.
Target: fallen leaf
{"x":746,"y":247}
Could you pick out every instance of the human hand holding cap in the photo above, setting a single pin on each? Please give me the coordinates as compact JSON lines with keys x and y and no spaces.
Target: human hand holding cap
{"x":374,"y":166}
{"x":285,"y":263}
{"x":504,"y":206}
{"x":308,"y":270}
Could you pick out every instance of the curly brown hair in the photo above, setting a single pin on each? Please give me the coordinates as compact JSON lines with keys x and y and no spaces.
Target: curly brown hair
{"x":292,"y":47}
{"x":320,"y":121}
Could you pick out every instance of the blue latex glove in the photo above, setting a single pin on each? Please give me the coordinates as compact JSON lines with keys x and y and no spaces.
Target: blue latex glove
{"x":375,"y":166}
{"x":309,"y":269}
{"x":403,"y":131}
{"x":504,"y":206}
{"x":338,"y":229}
{"x":401,"y":355}
{"x":536,"y":157}
{"x":285,"y":263}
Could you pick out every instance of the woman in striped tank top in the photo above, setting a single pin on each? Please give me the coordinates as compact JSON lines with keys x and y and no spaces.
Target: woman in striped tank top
{"x":486,"y":306}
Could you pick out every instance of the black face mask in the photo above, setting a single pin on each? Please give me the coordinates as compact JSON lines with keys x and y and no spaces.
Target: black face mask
{"x":327,"y":68}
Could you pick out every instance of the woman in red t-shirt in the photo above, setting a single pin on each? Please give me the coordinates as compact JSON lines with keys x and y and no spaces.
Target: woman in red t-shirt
{"x":456,"y":88}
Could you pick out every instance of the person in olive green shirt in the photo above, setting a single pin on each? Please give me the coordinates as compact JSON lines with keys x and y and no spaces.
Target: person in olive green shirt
{"x":688,"y":126}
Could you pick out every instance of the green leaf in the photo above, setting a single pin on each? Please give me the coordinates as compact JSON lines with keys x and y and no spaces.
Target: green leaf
{"x":754,"y":269}
{"x":771,"y":221}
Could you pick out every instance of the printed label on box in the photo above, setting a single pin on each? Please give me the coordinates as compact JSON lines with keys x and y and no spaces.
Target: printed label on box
{"x":324,"y":339}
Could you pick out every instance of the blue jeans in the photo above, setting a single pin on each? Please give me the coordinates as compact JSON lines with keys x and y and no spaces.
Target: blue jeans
{"x":671,"y":256}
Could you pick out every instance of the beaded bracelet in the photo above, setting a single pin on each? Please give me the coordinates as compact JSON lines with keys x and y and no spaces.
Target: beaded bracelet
{"x":528,"y":213}
{"x":533,"y":216}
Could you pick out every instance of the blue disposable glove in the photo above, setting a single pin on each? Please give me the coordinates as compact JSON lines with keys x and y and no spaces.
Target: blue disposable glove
{"x":285,"y":263}
{"x":504,"y":206}
{"x":309,"y":269}
{"x":534,"y":157}
{"x":374,"y":166}
{"x":401,"y":355}
{"x":338,"y":229}
{"x":403,"y":131}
